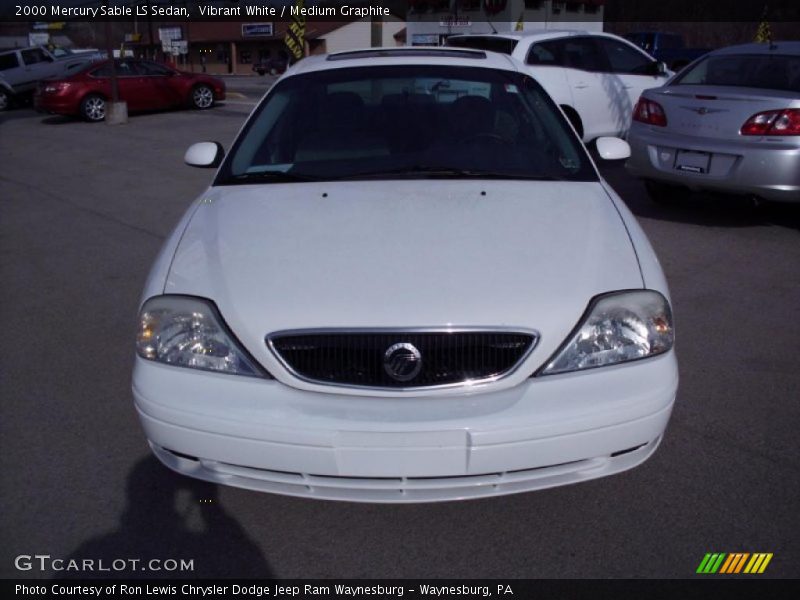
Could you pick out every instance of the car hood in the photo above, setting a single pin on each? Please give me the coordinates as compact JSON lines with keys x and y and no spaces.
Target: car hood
{"x":413,"y":253}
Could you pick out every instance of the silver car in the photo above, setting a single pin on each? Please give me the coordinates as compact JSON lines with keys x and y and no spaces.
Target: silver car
{"x":730,"y":122}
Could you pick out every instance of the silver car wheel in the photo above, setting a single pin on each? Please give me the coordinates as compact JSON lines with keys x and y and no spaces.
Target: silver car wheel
{"x":94,"y":108}
{"x":203,"y":97}
{"x":4,"y":100}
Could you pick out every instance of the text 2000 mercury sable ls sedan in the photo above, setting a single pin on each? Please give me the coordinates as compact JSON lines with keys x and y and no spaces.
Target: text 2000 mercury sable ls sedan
{"x":406,"y":283}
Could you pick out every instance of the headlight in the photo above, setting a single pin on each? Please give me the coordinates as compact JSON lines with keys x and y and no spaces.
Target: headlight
{"x":617,"y":327}
{"x":189,"y":332}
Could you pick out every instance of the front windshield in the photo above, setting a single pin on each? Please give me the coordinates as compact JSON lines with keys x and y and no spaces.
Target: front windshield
{"x":764,"y":71}
{"x":405,"y":122}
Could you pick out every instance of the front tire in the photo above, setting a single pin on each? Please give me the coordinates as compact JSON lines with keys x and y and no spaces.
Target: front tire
{"x":5,"y":100}
{"x":202,"y":97}
{"x":93,"y":108}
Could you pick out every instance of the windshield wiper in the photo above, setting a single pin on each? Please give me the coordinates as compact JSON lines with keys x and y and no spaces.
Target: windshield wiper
{"x":267,"y":177}
{"x":446,"y":173}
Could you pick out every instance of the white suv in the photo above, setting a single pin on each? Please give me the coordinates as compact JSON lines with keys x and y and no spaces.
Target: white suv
{"x":596,"y":78}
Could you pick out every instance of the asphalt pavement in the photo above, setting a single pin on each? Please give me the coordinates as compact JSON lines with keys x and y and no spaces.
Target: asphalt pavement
{"x":83,"y":211}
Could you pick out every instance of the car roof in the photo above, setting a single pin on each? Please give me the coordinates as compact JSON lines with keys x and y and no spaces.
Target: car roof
{"x":539,"y":34}
{"x":787,"y":47}
{"x":408,"y":55}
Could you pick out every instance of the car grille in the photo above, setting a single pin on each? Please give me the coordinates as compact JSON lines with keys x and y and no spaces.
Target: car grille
{"x":401,"y":359}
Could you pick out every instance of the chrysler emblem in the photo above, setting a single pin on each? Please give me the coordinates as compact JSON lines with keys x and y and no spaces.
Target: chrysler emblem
{"x":702,"y":110}
{"x":402,"y":362}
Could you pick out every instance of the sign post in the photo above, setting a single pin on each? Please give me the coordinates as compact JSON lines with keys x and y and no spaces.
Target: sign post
{"x":116,"y":111}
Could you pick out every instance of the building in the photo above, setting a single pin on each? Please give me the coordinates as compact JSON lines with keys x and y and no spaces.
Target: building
{"x":233,"y":47}
{"x":430,"y":22}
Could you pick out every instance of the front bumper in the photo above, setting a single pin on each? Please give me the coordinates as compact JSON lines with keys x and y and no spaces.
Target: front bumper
{"x":265,"y":435}
{"x":768,"y":168}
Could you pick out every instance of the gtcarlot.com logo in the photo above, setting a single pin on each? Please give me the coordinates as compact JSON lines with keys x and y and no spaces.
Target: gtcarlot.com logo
{"x":45,"y":562}
{"x":734,"y":563}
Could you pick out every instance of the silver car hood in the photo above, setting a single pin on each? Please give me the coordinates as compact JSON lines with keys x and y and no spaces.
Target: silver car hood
{"x":407,"y":253}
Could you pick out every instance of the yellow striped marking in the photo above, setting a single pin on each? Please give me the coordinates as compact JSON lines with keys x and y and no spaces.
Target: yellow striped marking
{"x":765,"y":563}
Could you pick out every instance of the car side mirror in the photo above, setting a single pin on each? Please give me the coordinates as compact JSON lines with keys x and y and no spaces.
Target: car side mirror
{"x":205,"y":155}
{"x":661,"y":68}
{"x":612,"y":148}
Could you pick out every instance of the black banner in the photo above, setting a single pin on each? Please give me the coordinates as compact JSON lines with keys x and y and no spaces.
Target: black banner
{"x":544,"y":11}
{"x":700,"y":589}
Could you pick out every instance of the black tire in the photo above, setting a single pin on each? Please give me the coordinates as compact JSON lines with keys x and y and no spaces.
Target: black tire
{"x":93,"y":108}
{"x":5,"y":100}
{"x":663,"y":193}
{"x":202,"y":97}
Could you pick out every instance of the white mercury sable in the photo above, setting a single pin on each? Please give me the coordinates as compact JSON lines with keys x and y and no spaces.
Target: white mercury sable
{"x":407,"y":283}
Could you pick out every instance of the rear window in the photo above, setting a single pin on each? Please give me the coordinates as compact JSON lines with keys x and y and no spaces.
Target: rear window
{"x":8,"y":61}
{"x":488,"y":43}
{"x":765,"y":71}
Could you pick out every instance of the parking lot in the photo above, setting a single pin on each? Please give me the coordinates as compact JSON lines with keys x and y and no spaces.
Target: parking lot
{"x":85,"y":209}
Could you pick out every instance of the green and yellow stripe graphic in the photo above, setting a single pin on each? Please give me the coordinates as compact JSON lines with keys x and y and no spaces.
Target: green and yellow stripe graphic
{"x":734,"y":562}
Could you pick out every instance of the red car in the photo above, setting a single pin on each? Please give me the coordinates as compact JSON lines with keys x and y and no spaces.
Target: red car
{"x":143,"y":85}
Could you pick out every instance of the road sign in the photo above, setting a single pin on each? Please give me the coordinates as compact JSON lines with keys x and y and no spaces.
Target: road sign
{"x":169,"y":33}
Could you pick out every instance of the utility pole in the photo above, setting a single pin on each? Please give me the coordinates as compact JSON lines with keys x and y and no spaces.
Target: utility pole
{"x":151,"y":52}
{"x":110,"y":53}
{"x":116,"y":111}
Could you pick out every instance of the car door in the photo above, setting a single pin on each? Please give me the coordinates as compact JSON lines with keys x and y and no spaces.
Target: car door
{"x":11,"y":69}
{"x":596,"y":99}
{"x":159,"y":81}
{"x":131,"y":89}
{"x":38,"y":65}
{"x":634,"y":71}
{"x":545,"y":62}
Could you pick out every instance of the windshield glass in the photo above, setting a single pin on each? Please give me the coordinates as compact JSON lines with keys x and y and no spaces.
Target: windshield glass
{"x":766,"y":71}
{"x":399,"y":122}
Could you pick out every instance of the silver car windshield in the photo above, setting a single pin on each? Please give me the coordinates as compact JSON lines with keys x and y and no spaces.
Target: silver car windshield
{"x":406,"y":122}
{"x":765,"y":71}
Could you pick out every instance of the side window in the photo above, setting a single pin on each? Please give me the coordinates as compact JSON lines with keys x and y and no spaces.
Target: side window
{"x":34,"y":55}
{"x":149,"y":68}
{"x":624,"y":59}
{"x":8,"y":61}
{"x":126,"y":69}
{"x":545,"y":54}
{"x":583,"y":54}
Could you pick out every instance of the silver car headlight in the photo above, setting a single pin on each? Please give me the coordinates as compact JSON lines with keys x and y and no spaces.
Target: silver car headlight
{"x":616,"y":328}
{"x":189,"y":332}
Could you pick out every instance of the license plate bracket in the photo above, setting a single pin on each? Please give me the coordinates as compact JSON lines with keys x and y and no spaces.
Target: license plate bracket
{"x":692,"y":162}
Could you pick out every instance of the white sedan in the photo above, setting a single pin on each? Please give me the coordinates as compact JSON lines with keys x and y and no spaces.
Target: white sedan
{"x":406,"y":283}
{"x":595,"y":77}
